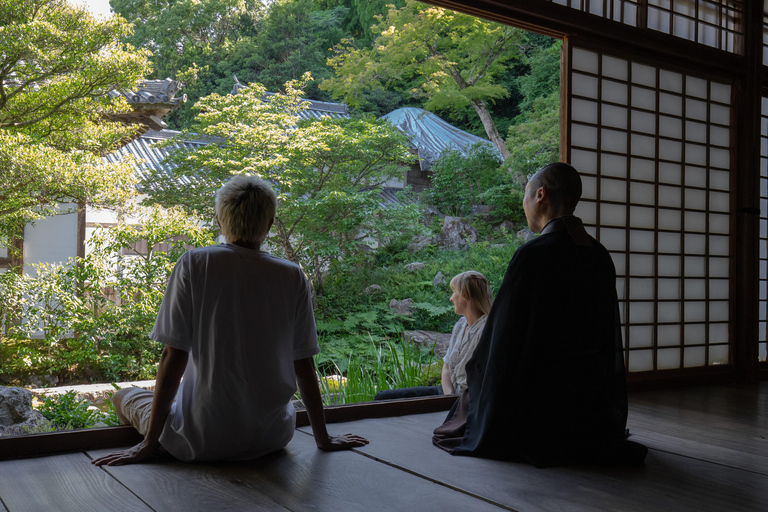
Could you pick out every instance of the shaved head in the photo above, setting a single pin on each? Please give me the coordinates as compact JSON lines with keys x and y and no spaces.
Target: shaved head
{"x":563,"y":184}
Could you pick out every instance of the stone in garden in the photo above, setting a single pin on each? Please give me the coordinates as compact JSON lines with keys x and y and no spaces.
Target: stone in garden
{"x":415,"y":266}
{"x":374,"y":288}
{"x":456,"y":234}
{"x":43,"y":381}
{"x":402,"y":307}
{"x":428,"y":339}
{"x":420,"y":242}
{"x":16,"y":413}
{"x":507,"y":226}
{"x":439,"y":279}
{"x":526,"y":234}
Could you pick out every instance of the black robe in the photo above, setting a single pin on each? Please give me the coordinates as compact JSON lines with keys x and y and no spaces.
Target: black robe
{"x":547,"y":383}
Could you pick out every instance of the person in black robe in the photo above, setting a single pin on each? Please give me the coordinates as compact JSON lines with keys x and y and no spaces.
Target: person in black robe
{"x":547,"y":384}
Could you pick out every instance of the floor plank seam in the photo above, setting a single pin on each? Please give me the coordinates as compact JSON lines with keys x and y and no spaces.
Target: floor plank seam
{"x":428,"y":479}
{"x":5,"y":507}
{"x":759,"y":473}
{"x":121,"y":483}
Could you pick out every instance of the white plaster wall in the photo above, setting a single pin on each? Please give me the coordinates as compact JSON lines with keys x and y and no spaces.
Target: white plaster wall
{"x":50,"y":240}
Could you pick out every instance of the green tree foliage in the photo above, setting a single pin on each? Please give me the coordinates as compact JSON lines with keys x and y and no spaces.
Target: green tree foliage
{"x":360,"y":16}
{"x":449,"y":58}
{"x":327,"y":173}
{"x":57,"y":64}
{"x":202,"y":43}
{"x":92,"y":319}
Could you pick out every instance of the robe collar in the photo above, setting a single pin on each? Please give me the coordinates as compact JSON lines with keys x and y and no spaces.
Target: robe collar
{"x":573,"y":226}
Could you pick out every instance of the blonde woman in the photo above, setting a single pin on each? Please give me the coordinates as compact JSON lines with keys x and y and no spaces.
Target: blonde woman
{"x":472,"y":299}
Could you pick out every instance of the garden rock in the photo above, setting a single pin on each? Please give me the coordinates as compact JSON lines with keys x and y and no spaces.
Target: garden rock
{"x":402,"y":307}
{"x":427,"y":339}
{"x":456,"y":234}
{"x":374,"y":288}
{"x":415,"y":266}
{"x":43,"y":381}
{"x":439,"y":279}
{"x":526,"y":234}
{"x":507,"y":226}
{"x":16,"y":413}
{"x":420,"y":242}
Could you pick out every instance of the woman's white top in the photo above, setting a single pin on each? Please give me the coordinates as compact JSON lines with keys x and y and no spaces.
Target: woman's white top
{"x":462,"y":345}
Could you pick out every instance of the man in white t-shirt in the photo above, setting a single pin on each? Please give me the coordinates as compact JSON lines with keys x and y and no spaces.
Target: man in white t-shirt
{"x":238,"y":326}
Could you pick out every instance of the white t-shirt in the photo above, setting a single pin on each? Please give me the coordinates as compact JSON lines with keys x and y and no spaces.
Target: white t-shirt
{"x":244,"y":317}
{"x":460,"y":349}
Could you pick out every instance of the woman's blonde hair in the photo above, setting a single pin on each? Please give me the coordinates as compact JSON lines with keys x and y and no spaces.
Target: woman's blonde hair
{"x":244,"y":207}
{"x":474,"y":286}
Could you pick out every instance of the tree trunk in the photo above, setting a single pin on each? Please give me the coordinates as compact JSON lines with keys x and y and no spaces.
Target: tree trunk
{"x":490,"y":127}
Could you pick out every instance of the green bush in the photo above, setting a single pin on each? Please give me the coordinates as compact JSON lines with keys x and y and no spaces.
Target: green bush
{"x":67,"y":412}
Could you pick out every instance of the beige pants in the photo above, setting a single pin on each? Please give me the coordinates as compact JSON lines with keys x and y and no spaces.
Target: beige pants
{"x":135,"y":405}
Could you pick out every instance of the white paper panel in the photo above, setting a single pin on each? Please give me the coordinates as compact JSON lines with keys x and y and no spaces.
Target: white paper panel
{"x":584,"y":111}
{"x":719,"y":158}
{"x":719,"y":201}
{"x":585,"y":60}
{"x":642,"y":74}
{"x":640,"y":361}
{"x":719,"y":114}
{"x":695,"y":199}
{"x":670,"y":219}
{"x":583,"y":135}
{"x":695,"y":334}
{"x":683,"y":27}
{"x":669,"y":196}
{"x":613,"y":239}
{"x":669,"y":243}
{"x":640,"y":336}
{"x":695,"y":244}
{"x":643,"y":122}
{"x":695,"y":176}
{"x":719,"y":245}
{"x":695,"y":289}
{"x":718,"y":354}
{"x":613,"y":215}
{"x":718,"y":333}
{"x":670,"y":172}
{"x":642,"y":169}
{"x":641,"y":289}
{"x":694,"y":356}
{"x":641,"y":265}
{"x":614,"y":116}
{"x":718,"y":223}
{"x":669,"y":289}
{"x":614,"y":165}
{"x":614,"y":92}
{"x":696,"y":221}
{"x":658,"y":20}
{"x":694,"y":266}
{"x":644,"y":98}
{"x":670,"y":81}
{"x":619,"y":262}
{"x":584,"y":85}
{"x":671,"y":104}
{"x":642,"y":217}
{"x":718,"y":311}
{"x":669,"y":335}
{"x":670,"y":126}
{"x":641,"y":241}
{"x":721,"y":137}
{"x":641,"y":313}
{"x":696,"y":154}
{"x":718,"y":289}
{"x":668,"y":359}
{"x":613,"y":190}
{"x":615,"y":68}
{"x":670,"y":150}
{"x":584,"y":161}
{"x":718,"y":268}
{"x":695,"y":311}
{"x":696,"y":109}
{"x":720,"y":92}
{"x":696,"y":87}
{"x":719,"y":180}
{"x":586,"y":211}
{"x":695,"y":131}
{"x":642,"y":193}
{"x":613,"y":140}
{"x":669,"y":312}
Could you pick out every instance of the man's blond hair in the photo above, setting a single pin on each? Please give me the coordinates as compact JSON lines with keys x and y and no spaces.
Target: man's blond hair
{"x":245,"y":205}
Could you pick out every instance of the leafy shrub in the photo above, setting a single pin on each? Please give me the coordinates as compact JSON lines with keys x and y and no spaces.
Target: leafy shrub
{"x":67,"y":412}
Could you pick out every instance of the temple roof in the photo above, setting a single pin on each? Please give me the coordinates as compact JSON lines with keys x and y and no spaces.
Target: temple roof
{"x":430,"y":135}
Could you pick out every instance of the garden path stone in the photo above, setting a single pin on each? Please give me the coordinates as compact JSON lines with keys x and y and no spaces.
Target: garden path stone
{"x":94,"y":393}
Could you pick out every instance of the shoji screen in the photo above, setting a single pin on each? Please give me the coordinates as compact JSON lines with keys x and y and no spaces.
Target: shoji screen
{"x":653,"y":148}
{"x":763,"y":340}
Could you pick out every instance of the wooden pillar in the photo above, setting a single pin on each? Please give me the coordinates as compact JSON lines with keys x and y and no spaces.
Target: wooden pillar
{"x":745,"y":311}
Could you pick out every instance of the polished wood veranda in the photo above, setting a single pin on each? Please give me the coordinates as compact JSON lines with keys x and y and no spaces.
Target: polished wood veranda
{"x":708,"y":452}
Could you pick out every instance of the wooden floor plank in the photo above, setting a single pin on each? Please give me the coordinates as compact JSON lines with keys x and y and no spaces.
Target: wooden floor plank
{"x":666,"y":482}
{"x":62,"y":483}
{"x":301,"y":477}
